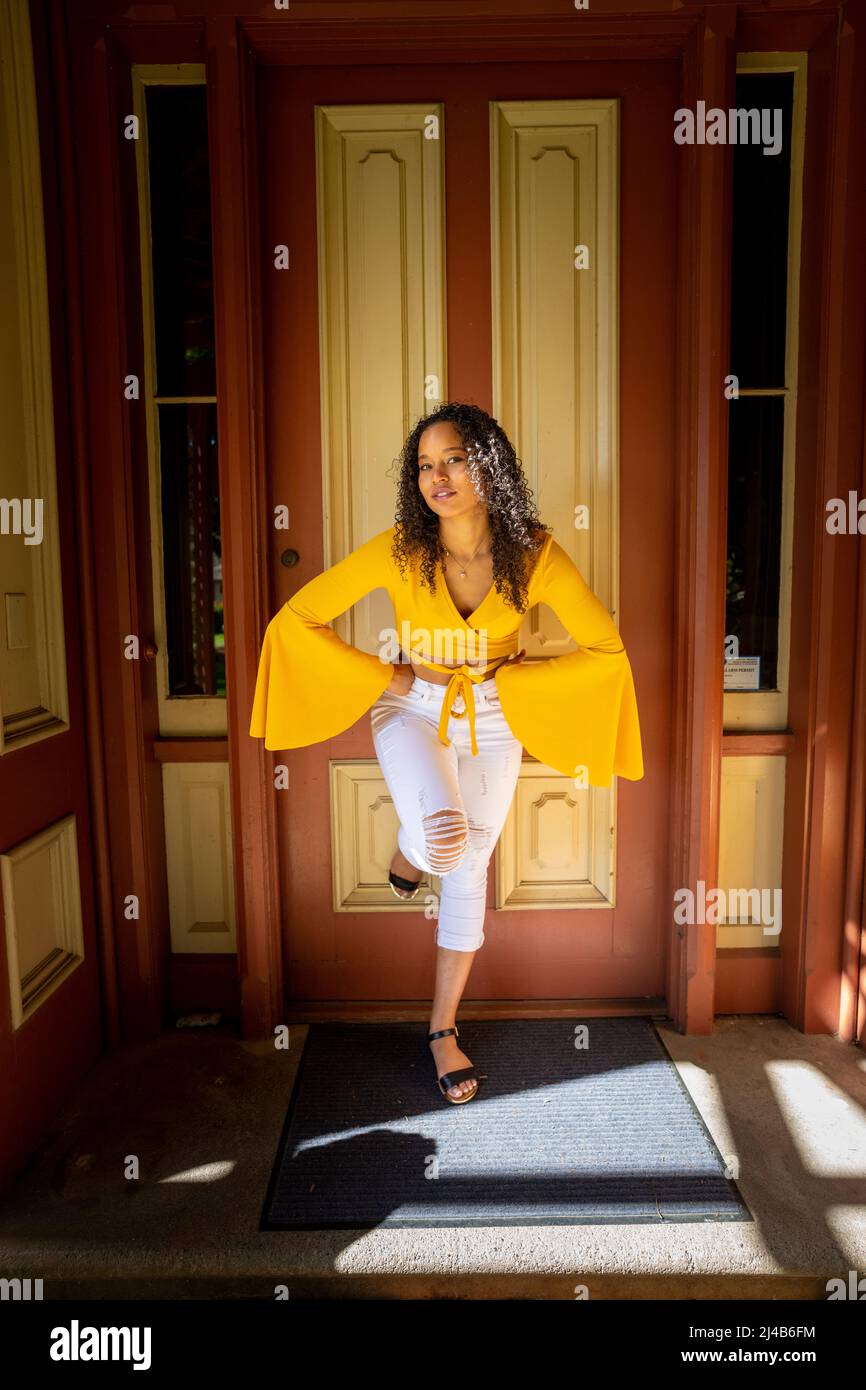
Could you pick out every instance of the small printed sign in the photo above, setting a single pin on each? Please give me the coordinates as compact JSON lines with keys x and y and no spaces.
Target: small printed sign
{"x":743,"y":673}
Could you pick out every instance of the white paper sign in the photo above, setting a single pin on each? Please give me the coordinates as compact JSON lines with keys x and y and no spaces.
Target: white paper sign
{"x":743,"y":673}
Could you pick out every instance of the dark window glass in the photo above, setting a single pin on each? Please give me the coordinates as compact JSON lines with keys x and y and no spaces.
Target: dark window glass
{"x":182,"y":264}
{"x":759,"y":288}
{"x":756,"y":433}
{"x":759,"y":263}
{"x":191,"y":549}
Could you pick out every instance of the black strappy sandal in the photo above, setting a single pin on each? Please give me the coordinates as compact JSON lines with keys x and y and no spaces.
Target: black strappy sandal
{"x":452,"y":1078}
{"x":409,"y":888}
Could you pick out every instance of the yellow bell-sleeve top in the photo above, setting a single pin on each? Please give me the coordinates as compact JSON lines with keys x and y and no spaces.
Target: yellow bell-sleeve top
{"x":576,"y":713}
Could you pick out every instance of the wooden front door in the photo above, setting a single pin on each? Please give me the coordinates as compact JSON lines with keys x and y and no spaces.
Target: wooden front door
{"x":500,"y":234}
{"x":50,"y":1007}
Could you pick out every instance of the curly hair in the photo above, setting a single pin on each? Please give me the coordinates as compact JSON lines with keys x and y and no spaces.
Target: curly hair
{"x":499,"y":481}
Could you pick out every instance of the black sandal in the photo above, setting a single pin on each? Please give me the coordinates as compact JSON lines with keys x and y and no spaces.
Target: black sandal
{"x":452,"y":1078}
{"x":406,"y":884}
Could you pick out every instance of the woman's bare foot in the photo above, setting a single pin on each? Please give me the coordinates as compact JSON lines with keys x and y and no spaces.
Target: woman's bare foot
{"x":403,"y":868}
{"x":448,"y":1057}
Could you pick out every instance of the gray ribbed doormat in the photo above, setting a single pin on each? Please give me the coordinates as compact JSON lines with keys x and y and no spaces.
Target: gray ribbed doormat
{"x":557,"y":1135}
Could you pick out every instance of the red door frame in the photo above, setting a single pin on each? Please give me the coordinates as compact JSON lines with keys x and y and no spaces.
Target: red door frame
{"x":95,"y":43}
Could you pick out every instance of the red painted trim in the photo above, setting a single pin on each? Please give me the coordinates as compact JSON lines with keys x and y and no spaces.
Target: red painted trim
{"x":191,"y":750}
{"x":52,"y":21}
{"x":247,"y":536}
{"x":757,"y":745}
{"x":700,"y":523}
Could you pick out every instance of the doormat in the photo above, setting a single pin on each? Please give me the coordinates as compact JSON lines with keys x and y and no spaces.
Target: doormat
{"x":576,"y":1122}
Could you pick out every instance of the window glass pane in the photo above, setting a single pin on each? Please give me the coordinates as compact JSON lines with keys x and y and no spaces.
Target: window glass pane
{"x":756,"y":425}
{"x":182,"y":264}
{"x":759,"y":265}
{"x":192,"y":555}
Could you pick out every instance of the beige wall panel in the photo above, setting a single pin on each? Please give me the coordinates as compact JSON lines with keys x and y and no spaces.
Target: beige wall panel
{"x":198,"y":838}
{"x":750,"y":840}
{"x":381,"y":317}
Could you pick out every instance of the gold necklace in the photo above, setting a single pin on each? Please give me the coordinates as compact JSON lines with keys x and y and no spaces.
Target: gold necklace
{"x":457,"y":562}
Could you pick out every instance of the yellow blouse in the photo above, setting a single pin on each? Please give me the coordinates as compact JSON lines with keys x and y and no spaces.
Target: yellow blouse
{"x":576,"y":713}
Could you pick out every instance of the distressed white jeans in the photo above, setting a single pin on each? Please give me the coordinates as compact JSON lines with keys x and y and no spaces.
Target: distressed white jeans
{"x":451,"y":803}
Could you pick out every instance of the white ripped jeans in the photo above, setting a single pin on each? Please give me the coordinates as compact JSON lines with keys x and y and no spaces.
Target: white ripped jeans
{"x":451,"y":803}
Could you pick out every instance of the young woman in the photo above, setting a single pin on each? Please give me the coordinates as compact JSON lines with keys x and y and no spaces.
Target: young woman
{"x":452,"y":706}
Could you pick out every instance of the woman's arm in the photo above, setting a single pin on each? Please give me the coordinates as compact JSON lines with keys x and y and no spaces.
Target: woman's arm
{"x":337,"y":589}
{"x":311,"y":685}
{"x":583,"y":615}
{"x":578,"y":712}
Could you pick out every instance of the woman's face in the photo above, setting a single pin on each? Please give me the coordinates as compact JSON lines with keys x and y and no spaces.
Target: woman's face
{"x":443,"y":472}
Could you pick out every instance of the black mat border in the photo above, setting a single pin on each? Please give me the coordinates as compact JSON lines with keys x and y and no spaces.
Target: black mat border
{"x":744,"y":1214}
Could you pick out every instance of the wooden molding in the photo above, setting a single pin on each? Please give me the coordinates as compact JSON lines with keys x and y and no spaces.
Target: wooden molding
{"x":191,"y":750}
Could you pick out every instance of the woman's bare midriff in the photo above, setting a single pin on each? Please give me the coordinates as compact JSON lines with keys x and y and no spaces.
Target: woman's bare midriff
{"x":439,"y":677}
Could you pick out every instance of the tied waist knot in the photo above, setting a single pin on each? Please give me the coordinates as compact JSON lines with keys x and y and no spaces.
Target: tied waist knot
{"x":459,"y":700}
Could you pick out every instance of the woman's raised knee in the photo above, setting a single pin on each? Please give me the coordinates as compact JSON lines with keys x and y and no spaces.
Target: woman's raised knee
{"x":446,"y":835}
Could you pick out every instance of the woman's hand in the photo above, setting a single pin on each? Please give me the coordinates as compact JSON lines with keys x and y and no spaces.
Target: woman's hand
{"x":402,"y":680}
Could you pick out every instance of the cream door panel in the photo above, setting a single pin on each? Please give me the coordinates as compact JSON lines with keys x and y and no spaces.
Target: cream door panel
{"x":42,"y":914}
{"x":557,"y":846}
{"x":33,"y":693}
{"x":752,"y":813}
{"x":555,"y":268}
{"x":554,"y":188}
{"x":381,"y":255}
{"x":198,"y":838}
{"x":363,"y":836}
